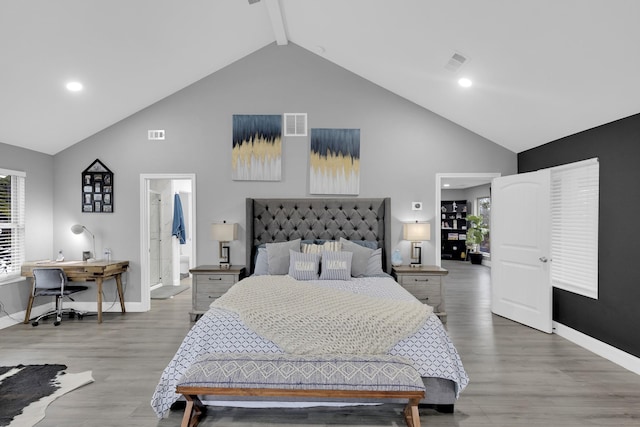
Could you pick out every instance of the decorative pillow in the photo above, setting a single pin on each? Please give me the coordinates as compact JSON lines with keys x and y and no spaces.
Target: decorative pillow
{"x":366,"y":243}
{"x":360,"y":256}
{"x":278,"y":256}
{"x":303,"y":266}
{"x":336,"y":266}
{"x":261,"y":267}
{"x":374,"y":264}
{"x":328,"y":246}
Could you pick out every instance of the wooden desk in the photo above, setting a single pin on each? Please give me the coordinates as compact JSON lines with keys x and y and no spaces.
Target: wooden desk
{"x":83,"y":271}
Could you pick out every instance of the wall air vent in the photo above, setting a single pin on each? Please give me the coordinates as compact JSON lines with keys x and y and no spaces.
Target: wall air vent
{"x":455,"y":62}
{"x":156,"y":135}
{"x":295,"y":124}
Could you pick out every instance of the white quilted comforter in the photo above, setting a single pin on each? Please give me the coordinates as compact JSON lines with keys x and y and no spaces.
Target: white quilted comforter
{"x":219,"y":331}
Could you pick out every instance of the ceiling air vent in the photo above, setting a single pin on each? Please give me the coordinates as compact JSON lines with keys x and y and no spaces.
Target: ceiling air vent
{"x":155,"y":135}
{"x":295,"y":124}
{"x":455,"y":62}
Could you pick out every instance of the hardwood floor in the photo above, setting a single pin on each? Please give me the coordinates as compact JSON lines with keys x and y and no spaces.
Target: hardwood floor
{"x":519,"y":377}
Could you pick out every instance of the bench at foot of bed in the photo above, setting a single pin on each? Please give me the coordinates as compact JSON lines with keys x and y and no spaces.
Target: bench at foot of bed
{"x":285,"y":376}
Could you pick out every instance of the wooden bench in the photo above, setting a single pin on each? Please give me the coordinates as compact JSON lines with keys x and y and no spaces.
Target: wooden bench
{"x":283,"y":376}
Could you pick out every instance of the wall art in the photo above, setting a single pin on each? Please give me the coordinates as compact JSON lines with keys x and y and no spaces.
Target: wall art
{"x":257,"y":148}
{"x":97,"y":188}
{"x":334,"y":161}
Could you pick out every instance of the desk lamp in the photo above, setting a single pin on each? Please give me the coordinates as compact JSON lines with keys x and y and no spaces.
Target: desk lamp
{"x":224,"y":233}
{"x":416,"y":232}
{"x":78,"y":229}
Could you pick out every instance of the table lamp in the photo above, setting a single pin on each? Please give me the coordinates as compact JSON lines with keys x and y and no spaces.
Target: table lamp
{"x":78,"y":229}
{"x":224,"y":233}
{"x":416,"y":232}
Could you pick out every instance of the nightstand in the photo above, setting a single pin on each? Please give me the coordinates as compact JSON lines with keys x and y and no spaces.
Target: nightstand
{"x":425,"y":283}
{"x":210,"y":282}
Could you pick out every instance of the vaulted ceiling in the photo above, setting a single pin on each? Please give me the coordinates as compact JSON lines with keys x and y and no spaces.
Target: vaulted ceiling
{"x":541,"y":69}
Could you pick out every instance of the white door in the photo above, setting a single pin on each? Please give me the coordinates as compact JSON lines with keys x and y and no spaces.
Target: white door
{"x":520,"y":248}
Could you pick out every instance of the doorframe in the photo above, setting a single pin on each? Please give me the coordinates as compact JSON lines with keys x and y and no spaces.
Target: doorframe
{"x":145,"y":292}
{"x":438,"y":193}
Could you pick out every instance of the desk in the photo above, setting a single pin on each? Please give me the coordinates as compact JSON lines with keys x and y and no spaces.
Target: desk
{"x":83,"y":271}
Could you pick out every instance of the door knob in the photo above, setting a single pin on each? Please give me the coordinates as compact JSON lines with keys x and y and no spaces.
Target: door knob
{"x":543,"y":259}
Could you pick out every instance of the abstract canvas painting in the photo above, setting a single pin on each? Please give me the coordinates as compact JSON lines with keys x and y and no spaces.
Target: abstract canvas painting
{"x":335,"y":161}
{"x":257,"y":147}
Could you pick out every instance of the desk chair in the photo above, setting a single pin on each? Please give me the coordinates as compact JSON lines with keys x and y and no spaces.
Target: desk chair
{"x":53,"y":282}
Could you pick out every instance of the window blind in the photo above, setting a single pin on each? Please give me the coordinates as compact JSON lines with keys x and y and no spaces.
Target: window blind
{"x":574,"y":227}
{"x":12,"y":219}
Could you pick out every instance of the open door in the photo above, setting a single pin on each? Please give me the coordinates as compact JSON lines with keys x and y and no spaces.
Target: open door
{"x":520,"y":249}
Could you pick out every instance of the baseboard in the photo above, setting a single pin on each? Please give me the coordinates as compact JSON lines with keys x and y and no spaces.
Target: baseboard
{"x":110,"y":307}
{"x":607,"y":351}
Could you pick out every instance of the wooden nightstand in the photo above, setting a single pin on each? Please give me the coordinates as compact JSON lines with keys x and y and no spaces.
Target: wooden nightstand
{"x":210,"y":282}
{"x":425,"y":283}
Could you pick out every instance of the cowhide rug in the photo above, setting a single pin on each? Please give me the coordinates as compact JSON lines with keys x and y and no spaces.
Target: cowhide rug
{"x":27,"y":390}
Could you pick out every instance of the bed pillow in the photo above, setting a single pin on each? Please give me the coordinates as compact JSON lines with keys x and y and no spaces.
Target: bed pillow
{"x":327,"y":246}
{"x":278,"y":256}
{"x":366,"y":243}
{"x":374,"y":264}
{"x":261,"y":266}
{"x":360,"y":257}
{"x":303,"y":266}
{"x":336,"y":266}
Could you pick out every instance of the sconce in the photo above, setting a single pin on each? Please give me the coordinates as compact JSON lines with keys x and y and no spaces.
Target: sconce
{"x":78,"y":229}
{"x":224,"y":233}
{"x":416,"y":232}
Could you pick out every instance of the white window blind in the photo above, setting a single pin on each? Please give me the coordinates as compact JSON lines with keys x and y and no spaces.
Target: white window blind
{"x":574,"y":227}
{"x":12,"y":241}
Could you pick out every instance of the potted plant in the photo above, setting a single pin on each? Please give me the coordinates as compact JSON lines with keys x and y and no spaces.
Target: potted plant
{"x":476,"y":230}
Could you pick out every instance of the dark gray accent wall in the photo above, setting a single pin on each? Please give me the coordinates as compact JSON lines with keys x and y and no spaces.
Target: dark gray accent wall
{"x":614,"y":316}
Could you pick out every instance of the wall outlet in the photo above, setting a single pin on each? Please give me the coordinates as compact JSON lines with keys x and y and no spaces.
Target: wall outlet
{"x":416,"y":206}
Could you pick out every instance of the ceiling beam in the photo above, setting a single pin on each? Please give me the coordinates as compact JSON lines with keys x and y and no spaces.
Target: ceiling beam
{"x":277,"y":21}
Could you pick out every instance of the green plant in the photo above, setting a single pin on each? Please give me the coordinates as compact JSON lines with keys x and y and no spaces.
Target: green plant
{"x":476,"y":230}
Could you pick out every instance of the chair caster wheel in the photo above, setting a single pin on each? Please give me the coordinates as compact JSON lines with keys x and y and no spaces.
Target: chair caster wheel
{"x":56,"y":323}
{"x":34,"y":324}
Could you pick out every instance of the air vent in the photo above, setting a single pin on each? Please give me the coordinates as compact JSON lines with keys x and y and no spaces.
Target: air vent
{"x":295,"y":124}
{"x":155,"y":135}
{"x":455,"y":62}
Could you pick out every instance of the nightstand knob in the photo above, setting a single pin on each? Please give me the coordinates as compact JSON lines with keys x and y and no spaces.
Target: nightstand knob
{"x":421,"y":280}
{"x":217,"y":278}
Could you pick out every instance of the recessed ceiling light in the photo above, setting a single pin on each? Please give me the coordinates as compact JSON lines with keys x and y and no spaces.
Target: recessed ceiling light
{"x":465,"y":82}
{"x":74,"y":86}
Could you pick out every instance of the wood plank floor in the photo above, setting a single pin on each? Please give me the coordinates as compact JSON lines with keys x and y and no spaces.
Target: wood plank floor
{"x":519,"y":377}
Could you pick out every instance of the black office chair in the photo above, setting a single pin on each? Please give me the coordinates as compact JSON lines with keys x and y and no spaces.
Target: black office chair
{"x":53,"y":282}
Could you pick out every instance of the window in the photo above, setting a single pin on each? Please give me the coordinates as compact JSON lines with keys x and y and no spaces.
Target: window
{"x":484,"y":211}
{"x":574,"y":227}
{"x":12,"y":190}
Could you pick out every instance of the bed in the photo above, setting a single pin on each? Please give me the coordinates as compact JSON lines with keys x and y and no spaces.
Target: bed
{"x":286,"y":223}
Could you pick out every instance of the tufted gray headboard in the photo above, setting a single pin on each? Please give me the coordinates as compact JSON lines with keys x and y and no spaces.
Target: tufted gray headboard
{"x":279,"y":220}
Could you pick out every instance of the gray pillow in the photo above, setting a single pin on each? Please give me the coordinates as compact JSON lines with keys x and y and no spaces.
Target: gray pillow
{"x":360,"y":257}
{"x":278,"y":255}
{"x":336,"y":266}
{"x":374,"y":264}
{"x":303,"y":266}
{"x":262,"y":263}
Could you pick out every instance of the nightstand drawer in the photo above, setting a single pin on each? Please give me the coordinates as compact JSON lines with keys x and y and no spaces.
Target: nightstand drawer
{"x":204,"y":300}
{"x":207,"y":280}
{"x":428,"y":293}
{"x":418,"y":279}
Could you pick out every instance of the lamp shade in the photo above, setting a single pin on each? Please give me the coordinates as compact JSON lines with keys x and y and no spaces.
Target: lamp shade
{"x":77,"y":228}
{"x":417,"y":231}
{"x":224,"y":232}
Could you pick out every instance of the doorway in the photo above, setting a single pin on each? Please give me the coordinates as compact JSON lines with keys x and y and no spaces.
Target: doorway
{"x":455,"y":181}
{"x":163,"y":258}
